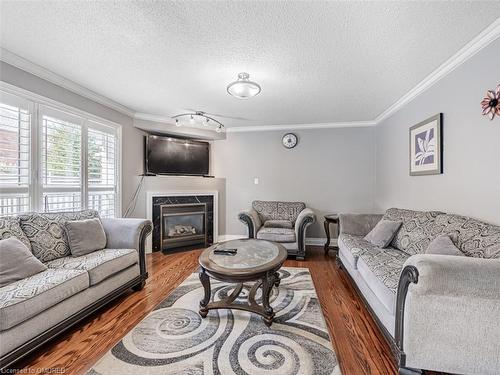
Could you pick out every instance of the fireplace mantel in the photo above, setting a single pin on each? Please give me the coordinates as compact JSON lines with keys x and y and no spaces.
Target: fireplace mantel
{"x":150,"y":195}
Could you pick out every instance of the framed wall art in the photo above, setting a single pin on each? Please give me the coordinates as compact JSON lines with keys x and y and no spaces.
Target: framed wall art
{"x":426,"y":147}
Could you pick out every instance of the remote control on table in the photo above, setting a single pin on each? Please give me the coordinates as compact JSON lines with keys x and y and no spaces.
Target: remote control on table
{"x":225,"y":251}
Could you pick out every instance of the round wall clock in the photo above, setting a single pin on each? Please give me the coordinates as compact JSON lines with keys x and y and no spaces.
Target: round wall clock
{"x":289,"y":140}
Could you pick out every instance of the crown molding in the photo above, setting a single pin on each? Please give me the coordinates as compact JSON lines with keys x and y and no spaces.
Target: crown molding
{"x":30,"y":67}
{"x":154,"y":118}
{"x":263,"y":128}
{"x":482,"y":40}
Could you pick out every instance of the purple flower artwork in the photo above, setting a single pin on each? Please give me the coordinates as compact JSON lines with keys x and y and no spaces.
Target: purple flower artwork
{"x":425,"y":147}
{"x":426,"y":153}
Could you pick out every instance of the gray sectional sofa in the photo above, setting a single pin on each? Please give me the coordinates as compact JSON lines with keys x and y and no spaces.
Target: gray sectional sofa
{"x":438,"y":312}
{"x":35,"y":309}
{"x":283,"y":222}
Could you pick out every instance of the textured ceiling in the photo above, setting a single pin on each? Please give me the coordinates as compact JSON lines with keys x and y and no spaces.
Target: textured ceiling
{"x":317,"y":62}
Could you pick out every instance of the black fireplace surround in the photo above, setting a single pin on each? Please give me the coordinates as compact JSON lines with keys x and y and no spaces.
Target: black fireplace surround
{"x":158,"y":217}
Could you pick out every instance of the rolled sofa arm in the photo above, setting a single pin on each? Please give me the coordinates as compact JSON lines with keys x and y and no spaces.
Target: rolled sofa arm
{"x":306,"y":217}
{"x":450,"y":303}
{"x":456,"y":275}
{"x":128,"y":234}
{"x":358,"y":224}
{"x":252,"y":220}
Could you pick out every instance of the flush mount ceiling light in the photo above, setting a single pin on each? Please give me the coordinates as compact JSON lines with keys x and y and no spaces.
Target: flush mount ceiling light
{"x":243,"y":88}
{"x":198,"y":117}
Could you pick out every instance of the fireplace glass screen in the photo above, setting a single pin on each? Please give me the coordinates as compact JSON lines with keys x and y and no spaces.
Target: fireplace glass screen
{"x":183,"y":225}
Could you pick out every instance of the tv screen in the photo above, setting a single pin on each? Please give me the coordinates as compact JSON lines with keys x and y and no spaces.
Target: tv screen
{"x":167,"y":155}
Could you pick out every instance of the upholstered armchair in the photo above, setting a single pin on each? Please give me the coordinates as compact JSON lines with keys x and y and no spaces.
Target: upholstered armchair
{"x":283,"y":222}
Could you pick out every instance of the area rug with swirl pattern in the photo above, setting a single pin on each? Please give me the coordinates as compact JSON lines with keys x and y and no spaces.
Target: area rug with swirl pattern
{"x":174,"y":339}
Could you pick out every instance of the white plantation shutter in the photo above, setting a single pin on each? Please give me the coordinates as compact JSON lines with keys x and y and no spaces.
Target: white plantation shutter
{"x":102,"y":169}
{"x":54,"y":158}
{"x":61,"y":161}
{"x":15,"y":150}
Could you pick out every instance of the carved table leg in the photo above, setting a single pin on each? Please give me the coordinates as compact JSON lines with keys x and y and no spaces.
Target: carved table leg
{"x":277,"y":279}
{"x":327,"y":231}
{"x":205,"y":281}
{"x":267,"y":285}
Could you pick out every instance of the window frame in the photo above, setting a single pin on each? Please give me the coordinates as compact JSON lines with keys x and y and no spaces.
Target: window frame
{"x":40,"y":105}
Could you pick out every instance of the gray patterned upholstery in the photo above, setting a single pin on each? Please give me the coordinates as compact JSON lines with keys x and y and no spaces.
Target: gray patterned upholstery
{"x":356,"y":245}
{"x":10,"y":227}
{"x":415,"y":234}
{"x":386,"y":264}
{"x":473,"y":237}
{"x":46,"y":232}
{"x":379,"y":267}
{"x":26,"y":298}
{"x":284,"y":222}
{"x":276,"y":234}
{"x":275,"y":210}
{"x":99,"y":264}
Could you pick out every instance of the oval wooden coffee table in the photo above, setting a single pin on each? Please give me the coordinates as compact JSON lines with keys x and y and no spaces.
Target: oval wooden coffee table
{"x":255,"y":260}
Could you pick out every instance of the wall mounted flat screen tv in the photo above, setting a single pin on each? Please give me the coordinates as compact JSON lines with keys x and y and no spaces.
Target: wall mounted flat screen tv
{"x":175,"y":156}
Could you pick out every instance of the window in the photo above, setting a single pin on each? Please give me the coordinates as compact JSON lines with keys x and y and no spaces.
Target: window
{"x":73,"y":164}
{"x":15,"y":137}
{"x":101,"y":166}
{"x":61,"y":154}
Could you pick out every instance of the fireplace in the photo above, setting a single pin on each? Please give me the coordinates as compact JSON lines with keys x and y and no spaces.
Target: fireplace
{"x":182,"y":221}
{"x":183,"y":225}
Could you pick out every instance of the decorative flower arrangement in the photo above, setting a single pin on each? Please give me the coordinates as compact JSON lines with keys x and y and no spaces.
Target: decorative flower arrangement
{"x":491,"y":103}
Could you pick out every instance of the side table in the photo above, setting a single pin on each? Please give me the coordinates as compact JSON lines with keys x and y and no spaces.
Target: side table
{"x":330,"y":219}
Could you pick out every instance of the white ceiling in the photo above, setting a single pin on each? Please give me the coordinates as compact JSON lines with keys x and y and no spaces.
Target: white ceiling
{"x":317,"y":62}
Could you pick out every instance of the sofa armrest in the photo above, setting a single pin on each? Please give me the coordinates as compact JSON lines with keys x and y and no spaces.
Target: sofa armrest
{"x":358,"y":224}
{"x":306,"y":217}
{"x":251,"y":219}
{"x":456,"y":275}
{"x":128,"y":234}
{"x":451,"y":303}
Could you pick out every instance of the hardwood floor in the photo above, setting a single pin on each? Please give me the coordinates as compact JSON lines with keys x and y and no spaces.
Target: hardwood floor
{"x":360,"y":347}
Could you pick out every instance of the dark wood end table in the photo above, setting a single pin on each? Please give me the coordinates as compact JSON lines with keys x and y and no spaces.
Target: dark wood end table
{"x":331,"y":219}
{"x":255,"y":260}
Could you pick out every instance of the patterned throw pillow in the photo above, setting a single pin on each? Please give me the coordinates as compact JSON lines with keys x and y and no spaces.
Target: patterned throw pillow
{"x":473,"y":237}
{"x":46,"y":232}
{"x":415,"y":234}
{"x":9,"y":227}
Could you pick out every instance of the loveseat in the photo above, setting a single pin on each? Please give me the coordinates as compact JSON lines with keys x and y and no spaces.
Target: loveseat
{"x":283,"y":222}
{"x":438,"y":312}
{"x":35,"y":309}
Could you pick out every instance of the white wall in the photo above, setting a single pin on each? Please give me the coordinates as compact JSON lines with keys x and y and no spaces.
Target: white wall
{"x":331,"y":170}
{"x":470,"y":184}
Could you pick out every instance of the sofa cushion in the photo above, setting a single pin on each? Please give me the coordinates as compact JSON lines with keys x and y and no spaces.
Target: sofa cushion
{"x":383,"y":233}
{"x":443,"y":245}
{"x":473,"y":237}
{"x":100,"y":264}
{"x":276,"y":234}
{"x":380,"y":268}
{"x":273,"y":210}
{"x":85,"y":236}
{"x":17,"y":262}
{"x":26,"y":298}
{"x":278,"y":224}
{"x":10,"y":227}
{"x":46,"y":232}
{"x":352,"y":246}
{"x":415,"y":234}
